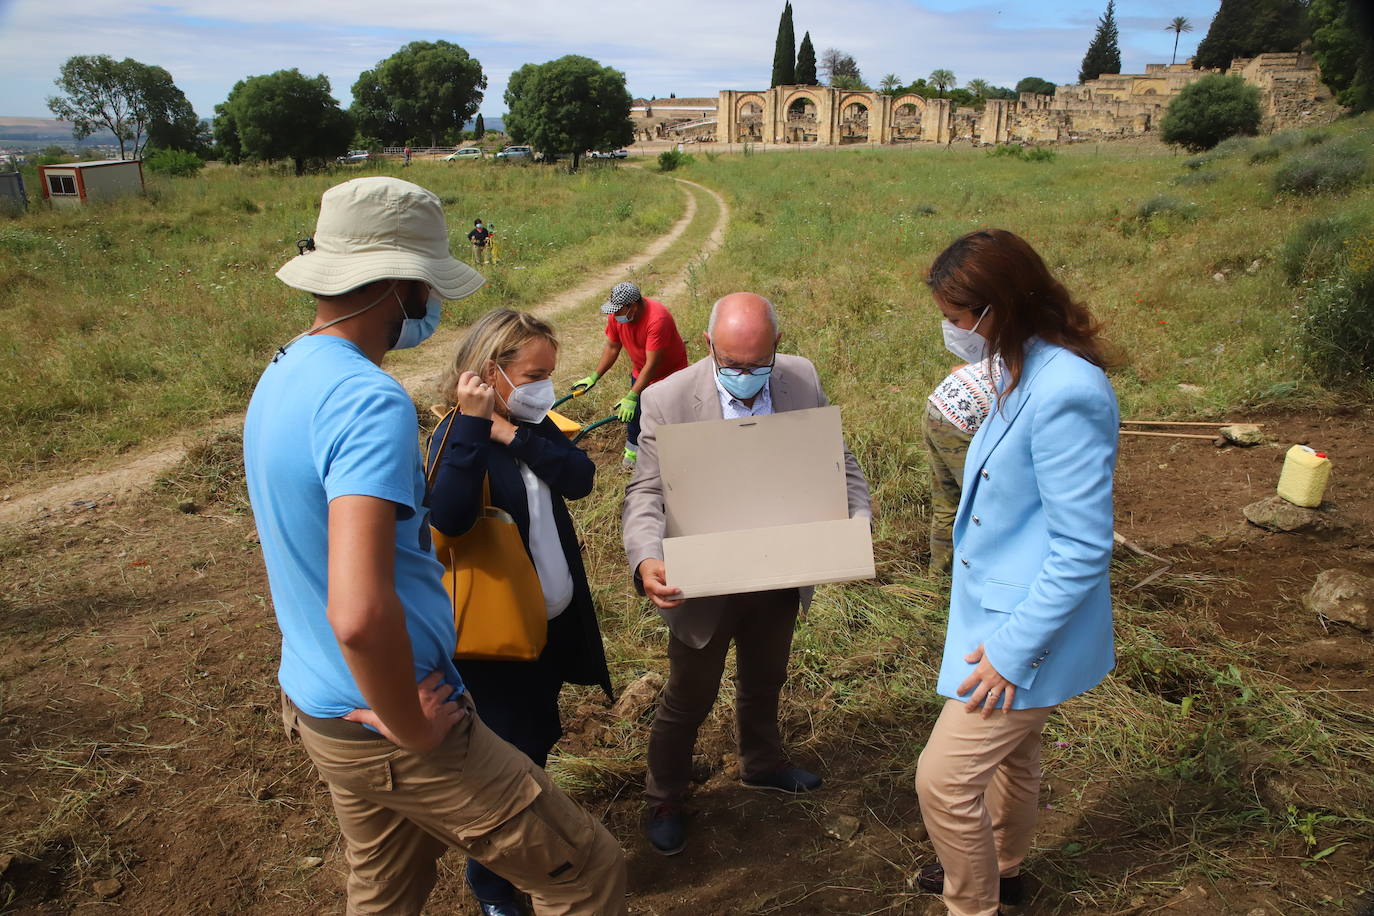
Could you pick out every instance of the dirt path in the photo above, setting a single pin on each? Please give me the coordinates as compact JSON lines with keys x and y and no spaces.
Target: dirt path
{"x":136,"y":471}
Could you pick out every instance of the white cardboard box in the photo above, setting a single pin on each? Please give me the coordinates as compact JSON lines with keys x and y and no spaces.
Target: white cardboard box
{"x":759,"y":503}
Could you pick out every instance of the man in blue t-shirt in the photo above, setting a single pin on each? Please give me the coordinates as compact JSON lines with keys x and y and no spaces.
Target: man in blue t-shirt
{"x":331,"y":450}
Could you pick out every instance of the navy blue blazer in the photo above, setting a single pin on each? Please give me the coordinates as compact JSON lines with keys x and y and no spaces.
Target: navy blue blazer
{"x":456,"y":498}
{"x":1033,"y":536}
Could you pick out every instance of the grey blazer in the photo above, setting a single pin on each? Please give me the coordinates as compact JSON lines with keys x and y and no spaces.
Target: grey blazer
{"x":687,"y":397}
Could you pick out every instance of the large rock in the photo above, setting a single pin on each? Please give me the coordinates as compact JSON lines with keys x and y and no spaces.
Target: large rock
{"x":1243,"y":434}
{"x":1274,"y":513}
{"x":636,"y":699}
{"x":1345,"y":596}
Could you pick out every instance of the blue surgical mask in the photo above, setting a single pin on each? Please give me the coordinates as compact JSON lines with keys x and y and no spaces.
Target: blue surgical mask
{"x":623,"y":319}
{"x":415,"y":331}
{"x":743,"y":387}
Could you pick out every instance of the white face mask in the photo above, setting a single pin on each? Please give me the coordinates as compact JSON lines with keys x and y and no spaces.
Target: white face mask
{"x":415,"y":331}
{"x":531,"y":402}
{"x":966,"y":343}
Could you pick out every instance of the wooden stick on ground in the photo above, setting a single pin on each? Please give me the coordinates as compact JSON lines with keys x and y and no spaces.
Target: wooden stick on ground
{"x":1218,"y":424}
{"x":1135,"y":548}
{"x":1141,"y":432}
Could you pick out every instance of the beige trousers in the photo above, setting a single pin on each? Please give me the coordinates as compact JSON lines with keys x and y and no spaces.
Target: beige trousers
{"x":979,"y":785}
{"x":399,"y":811}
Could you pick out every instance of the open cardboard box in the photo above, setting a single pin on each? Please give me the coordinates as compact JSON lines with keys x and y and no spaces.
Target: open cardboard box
{"x":759,"y":503}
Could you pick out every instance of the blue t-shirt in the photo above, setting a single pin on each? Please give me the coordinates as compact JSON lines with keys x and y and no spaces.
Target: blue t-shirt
{"x":326,"y":422}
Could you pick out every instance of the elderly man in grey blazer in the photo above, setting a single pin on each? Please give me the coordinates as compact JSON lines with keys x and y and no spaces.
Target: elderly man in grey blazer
{"x":743,"y":376}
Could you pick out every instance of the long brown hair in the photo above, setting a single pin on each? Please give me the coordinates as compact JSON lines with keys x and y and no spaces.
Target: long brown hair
{"x":997,"y":270}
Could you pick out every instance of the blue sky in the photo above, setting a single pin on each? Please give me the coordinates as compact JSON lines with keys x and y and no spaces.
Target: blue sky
{"x":688,"y":49}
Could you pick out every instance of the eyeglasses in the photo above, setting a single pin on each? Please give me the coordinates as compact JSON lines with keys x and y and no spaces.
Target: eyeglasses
{"x":737,"y":371}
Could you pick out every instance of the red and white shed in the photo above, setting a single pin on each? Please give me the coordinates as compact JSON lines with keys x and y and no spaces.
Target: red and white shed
{"x":74,"y":183}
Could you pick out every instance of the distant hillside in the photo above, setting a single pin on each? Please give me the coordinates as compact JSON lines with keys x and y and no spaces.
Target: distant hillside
{"x":32,"y":131}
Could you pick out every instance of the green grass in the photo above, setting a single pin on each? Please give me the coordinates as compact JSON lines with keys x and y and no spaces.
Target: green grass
{"x":1200,"y":786}
{"x":130,"y":320}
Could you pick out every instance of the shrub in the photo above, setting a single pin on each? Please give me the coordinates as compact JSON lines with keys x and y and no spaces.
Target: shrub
{"x":1338,"y":323}
{"x":1233,"y":146}
{"x":1208,"y":111}
{"x":176,"y":162}
{"x":1276,"y":146}
{"x":1327,"y":169}
{"x":1024,"y":153}
{"x":1318,"y":247}
{"x":1162,"y":205}
{"x":1195,"y":179}
{"x":670,"y":159}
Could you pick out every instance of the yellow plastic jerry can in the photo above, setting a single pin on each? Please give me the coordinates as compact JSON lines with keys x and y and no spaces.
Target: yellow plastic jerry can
{"x":1304,"y":477}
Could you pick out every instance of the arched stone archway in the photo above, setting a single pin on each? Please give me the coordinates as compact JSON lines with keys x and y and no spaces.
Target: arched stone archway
{"x":801,"y":117}
{"x":908,"y":111}
{"x":855,"y":111}
{"x":749,"y":115}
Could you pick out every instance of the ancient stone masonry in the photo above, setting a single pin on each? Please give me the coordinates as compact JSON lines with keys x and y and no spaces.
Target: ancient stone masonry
{"x":1115,"y":105}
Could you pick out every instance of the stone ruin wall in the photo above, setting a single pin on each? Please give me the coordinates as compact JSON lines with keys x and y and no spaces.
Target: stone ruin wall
{"x":1113,"y":106}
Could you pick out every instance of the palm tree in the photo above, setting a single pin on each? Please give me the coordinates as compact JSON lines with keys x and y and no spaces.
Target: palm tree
{"x":890,"y":84}
{"x":980,"y":88}
{"x":1179,"y":25}
{"x":942,"y":79}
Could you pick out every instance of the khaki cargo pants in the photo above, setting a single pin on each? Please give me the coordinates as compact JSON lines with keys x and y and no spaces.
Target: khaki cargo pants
{"x":948,"y":447}
{"x":399,"y":811}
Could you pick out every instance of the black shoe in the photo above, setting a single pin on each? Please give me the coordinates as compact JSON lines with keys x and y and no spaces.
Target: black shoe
{"x":794,"y":780}
{"x":666,"y":828}
{"x":507,"y":908}
{"x":1011,"y":891}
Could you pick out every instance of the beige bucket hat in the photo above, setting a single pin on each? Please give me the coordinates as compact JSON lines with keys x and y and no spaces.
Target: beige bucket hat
{"x":379,"y":228}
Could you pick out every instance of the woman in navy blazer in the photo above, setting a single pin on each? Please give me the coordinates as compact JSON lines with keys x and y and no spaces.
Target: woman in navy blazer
{"x":501,"y":433}
{"x":1030,"y":620}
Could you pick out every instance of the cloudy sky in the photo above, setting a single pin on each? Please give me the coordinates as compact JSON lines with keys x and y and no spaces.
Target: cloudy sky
{"x":690,"y":49}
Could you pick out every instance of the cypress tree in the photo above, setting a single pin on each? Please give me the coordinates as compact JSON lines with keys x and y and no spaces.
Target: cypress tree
{"x":1245,"y":28}
{"x":806,"y":62}
{"x":479,"y":129}
{"x":1104,"y":54}
{"x":785,"y":51}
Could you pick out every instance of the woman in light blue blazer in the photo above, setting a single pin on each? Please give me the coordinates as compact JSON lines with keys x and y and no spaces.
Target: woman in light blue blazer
{"x":1030,"y":618}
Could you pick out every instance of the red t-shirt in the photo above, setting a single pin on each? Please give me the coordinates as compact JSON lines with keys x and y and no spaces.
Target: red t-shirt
{"x":654,"y":329}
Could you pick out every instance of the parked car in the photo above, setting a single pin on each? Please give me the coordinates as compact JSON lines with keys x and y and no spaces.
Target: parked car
{"x":515,"y":152}
{"x":608,"y":154}
{"x":357,"y":155}
{"x":469,"y":152}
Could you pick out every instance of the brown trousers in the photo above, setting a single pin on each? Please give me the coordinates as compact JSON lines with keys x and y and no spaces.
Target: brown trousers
{"x":760,"y":624}
{"x":979,"y":785}
{"x":399,"y":811}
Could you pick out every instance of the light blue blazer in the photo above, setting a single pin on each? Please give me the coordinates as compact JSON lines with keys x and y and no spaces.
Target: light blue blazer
{"x":1033,"y":537}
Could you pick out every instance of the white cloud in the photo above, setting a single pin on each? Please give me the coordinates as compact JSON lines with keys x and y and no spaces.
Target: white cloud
{"x":710,"y":45}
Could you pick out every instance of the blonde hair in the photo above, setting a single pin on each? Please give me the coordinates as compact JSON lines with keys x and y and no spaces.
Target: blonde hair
{"x":495,"y":337}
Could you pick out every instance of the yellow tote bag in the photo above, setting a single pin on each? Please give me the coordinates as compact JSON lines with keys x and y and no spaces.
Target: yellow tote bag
{"x":498,"y":604}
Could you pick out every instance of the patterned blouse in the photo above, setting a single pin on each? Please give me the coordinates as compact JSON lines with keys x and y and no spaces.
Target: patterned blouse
{"x":967,"y":394}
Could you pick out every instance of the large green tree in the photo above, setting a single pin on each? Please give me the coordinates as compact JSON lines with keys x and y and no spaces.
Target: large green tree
{"x":1035,"y":84}
{"x":1343,"y":44}
{"x":568,"y":106}
{"x":785,"y":50}
{"x":806,"y":62}
{"x":423,"y":91}
{"x":127,"y":98}
{"x":942,"y":80}
{"x":1104,"y":54}
{"x":1208,"y":111}
{"x":283,"y":115}
{"x":1245,"y":28}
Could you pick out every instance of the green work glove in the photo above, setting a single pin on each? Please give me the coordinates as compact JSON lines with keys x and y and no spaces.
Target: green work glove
{"x":625,"y":410}
{"x":582,"y":386}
